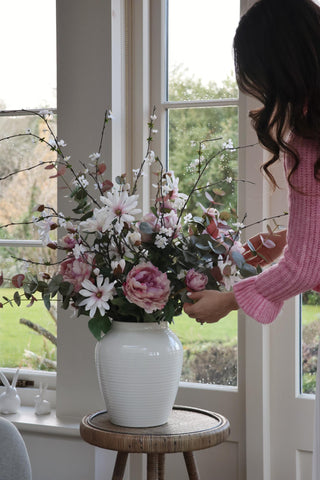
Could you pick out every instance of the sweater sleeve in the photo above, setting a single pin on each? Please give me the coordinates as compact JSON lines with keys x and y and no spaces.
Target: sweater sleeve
{"x":262,"y":296}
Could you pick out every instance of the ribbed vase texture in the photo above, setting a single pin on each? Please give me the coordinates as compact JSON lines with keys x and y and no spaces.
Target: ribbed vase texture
{"x":139,"y":367}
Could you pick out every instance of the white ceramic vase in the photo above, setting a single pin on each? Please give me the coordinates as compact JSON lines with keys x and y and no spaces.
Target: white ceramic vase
{"x":139,"y":367}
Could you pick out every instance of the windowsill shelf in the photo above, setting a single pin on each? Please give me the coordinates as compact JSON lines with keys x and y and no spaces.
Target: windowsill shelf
{"x":27,"y":421}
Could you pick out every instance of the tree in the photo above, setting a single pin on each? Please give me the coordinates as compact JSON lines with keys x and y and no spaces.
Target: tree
{"x":189,"y":126}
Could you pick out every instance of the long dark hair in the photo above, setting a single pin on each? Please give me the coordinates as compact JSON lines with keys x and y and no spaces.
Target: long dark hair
{"x":277,"y":60}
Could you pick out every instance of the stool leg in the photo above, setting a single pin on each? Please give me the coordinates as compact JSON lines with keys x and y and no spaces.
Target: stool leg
{"x":120,"y":466}
{"x":161,"y":460}
{"x":191,"y":465}
{"x":152,"y":466}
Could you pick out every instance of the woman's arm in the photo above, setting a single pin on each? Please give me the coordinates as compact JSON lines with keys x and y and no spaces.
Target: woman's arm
{"x":262,"y":296}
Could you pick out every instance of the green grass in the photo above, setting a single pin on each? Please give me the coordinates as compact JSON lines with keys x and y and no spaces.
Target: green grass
{"x":310,"y":313}
{"x":189,"y":331}
{"x":15,"y":338}
{"x":225,"y":330}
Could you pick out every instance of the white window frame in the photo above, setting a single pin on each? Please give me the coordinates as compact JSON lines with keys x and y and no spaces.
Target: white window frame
{"x":37,"y":376}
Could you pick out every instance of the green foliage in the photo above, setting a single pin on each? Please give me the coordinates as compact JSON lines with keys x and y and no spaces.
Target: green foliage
{"x":189,"y":126}
{"x":311,"y":298}
{"x":99,"y":326}
{"x":212,"y":363}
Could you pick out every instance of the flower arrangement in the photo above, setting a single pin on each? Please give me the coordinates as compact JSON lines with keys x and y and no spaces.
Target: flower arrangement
{"x":119,"y":265}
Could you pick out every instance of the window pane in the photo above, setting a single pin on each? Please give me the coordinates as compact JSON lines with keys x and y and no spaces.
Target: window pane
{"x":28,"y":54}
{"x":310,"y":314}
{"x":200,"y":37}
{"x":20,"y":193}
{"x":210,"y":350}
{"x":30,"y":342}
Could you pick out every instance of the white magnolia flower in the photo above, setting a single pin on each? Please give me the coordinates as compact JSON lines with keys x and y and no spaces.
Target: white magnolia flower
{"x":182,"y":274}
{"x":121,"y":264}
{"x":150,"y":158}
{"x":43,"y":225}
{"x":179,"y":202}
{"x":187,"y":218}
{"x":168,"y":232}
{"x":172,"y":183}
{"x":94,"y":156}
{"x":121,"y":207}
{"x":238,"y":225}
{"x":97,"y":296}
{"x":48,"y":114}
{"x":160,"y":241}
{"x":82,"y":181}
{"x":99,"y":222}
{"x":78,"y":250}
{"x":134,"y":237}
{"x":229,"y":145}
{"x":52,"y":142}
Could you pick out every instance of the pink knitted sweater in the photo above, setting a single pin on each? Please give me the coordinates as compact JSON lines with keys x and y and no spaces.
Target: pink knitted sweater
{"x":262,"y":296}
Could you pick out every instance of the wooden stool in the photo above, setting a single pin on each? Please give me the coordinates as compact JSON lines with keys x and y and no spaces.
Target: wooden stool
{"x":187,"y":429}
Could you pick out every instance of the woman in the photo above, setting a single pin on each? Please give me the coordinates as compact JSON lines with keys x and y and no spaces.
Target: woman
{"x":277,"y":61}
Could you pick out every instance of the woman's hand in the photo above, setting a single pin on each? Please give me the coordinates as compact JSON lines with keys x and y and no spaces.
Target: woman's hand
{"x":210,"y":305}
{"x":265,"y":253}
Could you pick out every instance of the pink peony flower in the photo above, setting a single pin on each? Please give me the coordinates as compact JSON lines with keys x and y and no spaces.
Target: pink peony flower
{"x":147,"y":287}
{"x":75,"y":271}
{"x":196,"y":281}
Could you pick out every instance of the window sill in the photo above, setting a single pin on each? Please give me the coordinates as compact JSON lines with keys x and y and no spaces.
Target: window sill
{"x":27,"y":421}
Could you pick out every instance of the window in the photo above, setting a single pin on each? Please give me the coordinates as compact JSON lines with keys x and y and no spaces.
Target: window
{"x":28,"y":86}
{"x":201,"y":103}
{"x":310,"y":332}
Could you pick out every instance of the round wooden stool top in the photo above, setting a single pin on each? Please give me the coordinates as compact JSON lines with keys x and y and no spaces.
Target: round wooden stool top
{"x":187,"y":429}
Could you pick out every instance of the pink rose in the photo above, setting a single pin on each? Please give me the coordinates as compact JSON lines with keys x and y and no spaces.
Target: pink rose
{"x":196,"y":281}
{"x":76,"y":270}
{"x":147,"y":287}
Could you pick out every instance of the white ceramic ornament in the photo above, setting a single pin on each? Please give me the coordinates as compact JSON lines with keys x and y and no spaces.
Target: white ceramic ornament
{"x":42,"y":406}
{"x":9,"y":400}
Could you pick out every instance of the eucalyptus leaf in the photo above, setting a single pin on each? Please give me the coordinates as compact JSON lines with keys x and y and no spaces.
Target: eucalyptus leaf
{"x":46,"y":300}
{"x":86,"y":216}
{"x":217,"y":248}
{"x":145,"y":227}
{"x":17,"y":298}
{"x":205,"y":248}
{"x":253,"y":250}
{"x":248,"y":270}
{"x":238,"y":259}
{"x":65,"y":288}
{"x":65,"y":303}
{"x":198,"y":220}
